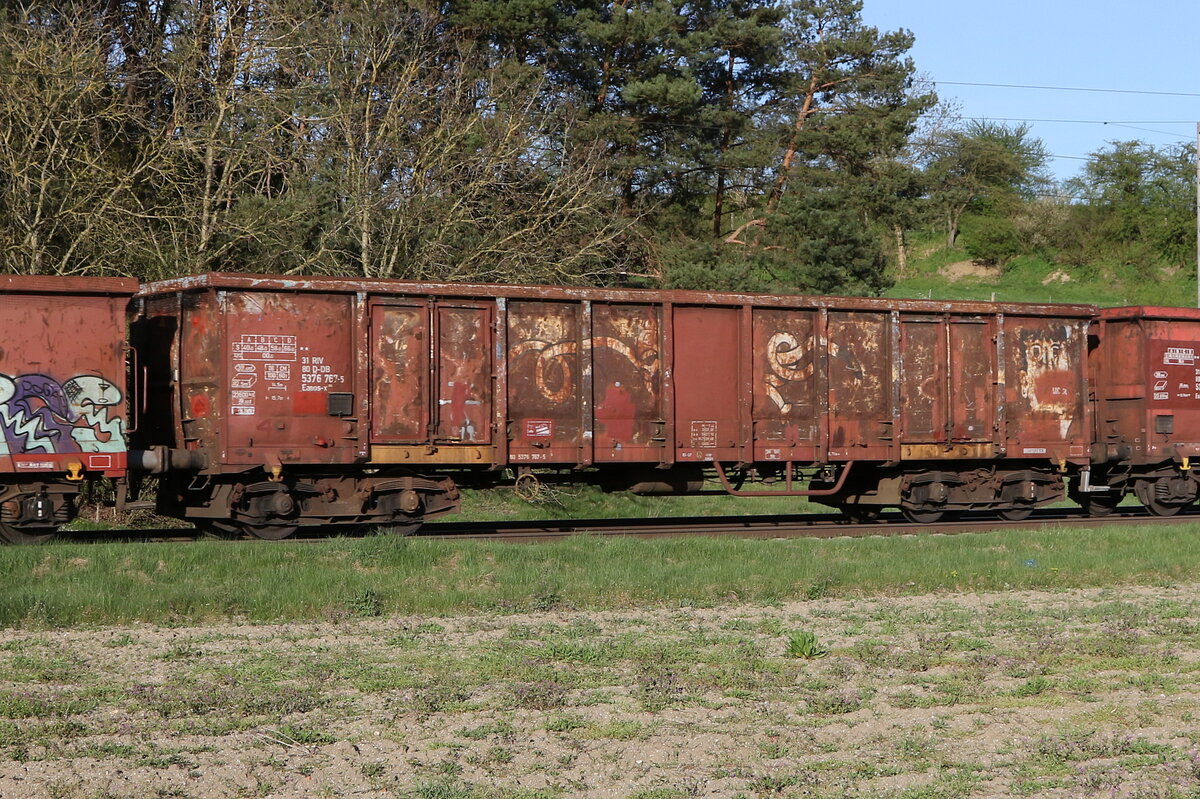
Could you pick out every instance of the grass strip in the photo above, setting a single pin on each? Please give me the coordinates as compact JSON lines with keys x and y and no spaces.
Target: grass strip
{"x":96,"y":584}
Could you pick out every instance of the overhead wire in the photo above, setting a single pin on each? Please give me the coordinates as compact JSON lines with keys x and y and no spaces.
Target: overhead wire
{"x":1060,"y":88}
{"x":1130,"y":124}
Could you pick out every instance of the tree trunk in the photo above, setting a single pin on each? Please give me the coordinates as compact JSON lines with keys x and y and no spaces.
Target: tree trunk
{"x":719,"y":199}
{"x":789,"y":156}
{"x":951,"y":229}
{"x":901,"y":250}
{"x":719,"y":203}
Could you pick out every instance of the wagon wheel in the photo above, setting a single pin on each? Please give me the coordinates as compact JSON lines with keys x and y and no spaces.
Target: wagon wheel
{"x":15,"y":535}
{"x":923,"y":516}
{"x":1100,"y":504}
{"x":400,"y":529}
{"x":1017,"y":513}
{"x":271,"y":532}
{"x":211,"y":528}
{"x":861,"y":514}
{"x":1145,"y":493}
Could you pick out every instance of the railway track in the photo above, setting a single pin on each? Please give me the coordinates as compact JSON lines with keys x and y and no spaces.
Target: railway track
{"x":797,"y":526}
{"x":758,"y":526}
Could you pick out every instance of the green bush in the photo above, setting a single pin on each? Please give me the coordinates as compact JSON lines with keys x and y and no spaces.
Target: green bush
{"x":990,"y":239}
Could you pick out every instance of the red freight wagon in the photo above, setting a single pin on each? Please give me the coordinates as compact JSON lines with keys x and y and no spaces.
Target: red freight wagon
{"x":352,"y":401}
{"x":62,"y":395}
{"x":1146,"y":371}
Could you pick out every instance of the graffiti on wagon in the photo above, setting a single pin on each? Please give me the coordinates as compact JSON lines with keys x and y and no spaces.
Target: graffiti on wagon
{"x":40,"y":414}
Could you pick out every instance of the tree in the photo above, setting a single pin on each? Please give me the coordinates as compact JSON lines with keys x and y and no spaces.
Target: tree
{"x":842,"y":116}
{"x":739,"y":61}
{"x":71,"y":154}
{"x":1142,"y":193}
{"x":849,"y":96}
{"x":983,"y":163}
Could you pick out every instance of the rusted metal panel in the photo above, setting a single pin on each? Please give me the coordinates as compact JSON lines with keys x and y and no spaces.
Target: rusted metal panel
{"x":62,"y":375}
{"x":668,"y":383}
{"x":1172,"y":382}
{"x":627,"y":341}
{"x":587,"y":449}
{"x":464,"y":368}
{"x":544,"y":374}
{"x":971,"y":380}
{"x":707,"y":390}
{"x":1146,"y":369}
{"x":784,"y":385}
{"x":356,"y":431}
{"x":922,"y":393}
{"x":896,"y":341}
{"x":1045,"y":364}
{"x":500,"y":386}
{"x":42,"y":285}
{"x":400,"y":373}
{"x":288,"y":376}
{"x":859,"y":384}
{"x":745,"y":406}
{"x":577,"y":294}
{"x":199,"y":368}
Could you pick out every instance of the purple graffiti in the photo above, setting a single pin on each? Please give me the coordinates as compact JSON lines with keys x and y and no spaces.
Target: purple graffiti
{"x":40,"y":414}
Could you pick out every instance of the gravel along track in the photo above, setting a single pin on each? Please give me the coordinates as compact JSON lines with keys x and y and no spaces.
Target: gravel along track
{"x":958,"y":696}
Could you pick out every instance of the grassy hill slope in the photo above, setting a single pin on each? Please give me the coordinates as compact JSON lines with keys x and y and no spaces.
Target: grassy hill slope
{"x":948,"y":274}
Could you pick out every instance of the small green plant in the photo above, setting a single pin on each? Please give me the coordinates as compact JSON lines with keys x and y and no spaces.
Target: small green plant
{"x":366,"y":604}
{"x":1033,"y":686}
{"x":565,"y":724}
{"x":804,"y":644}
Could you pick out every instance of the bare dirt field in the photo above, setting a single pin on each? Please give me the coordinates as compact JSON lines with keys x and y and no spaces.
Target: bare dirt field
{"x":1072,"y":693}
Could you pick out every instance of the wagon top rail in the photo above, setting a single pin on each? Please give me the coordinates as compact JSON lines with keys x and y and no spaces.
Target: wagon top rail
{"x":244,"y":282}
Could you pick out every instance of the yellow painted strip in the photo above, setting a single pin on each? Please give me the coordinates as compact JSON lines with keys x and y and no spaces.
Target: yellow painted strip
{"x":919,"y":452}
{"x":419,"y":453}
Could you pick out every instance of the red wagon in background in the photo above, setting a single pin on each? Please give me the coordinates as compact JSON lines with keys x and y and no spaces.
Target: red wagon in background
{"x":62,"y":396}
{"x":285,"y":402}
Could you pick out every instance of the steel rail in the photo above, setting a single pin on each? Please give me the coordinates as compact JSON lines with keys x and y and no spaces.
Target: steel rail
{"x":783,"y":527}
{"x":755,"y":526}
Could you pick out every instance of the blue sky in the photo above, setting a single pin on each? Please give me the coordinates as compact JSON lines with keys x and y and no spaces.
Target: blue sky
{"x":1151,"y":47}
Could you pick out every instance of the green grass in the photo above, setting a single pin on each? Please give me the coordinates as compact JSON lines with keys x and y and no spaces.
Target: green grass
{"x":71,"y":584}
{"x":1106,"y":284}
{"x":587,"y":502}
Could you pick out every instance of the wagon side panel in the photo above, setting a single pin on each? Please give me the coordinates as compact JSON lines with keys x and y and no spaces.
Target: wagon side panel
{"x":860,"y":386}
{"x":545,"y":381}
{"x":923,"y":406}
{"x":288,"y":366}
{"x":1170,"y":418}
{"x":972,"y":380}
{"x":785,"y":385}
{"x":1045,"y":379}
{"x":626,"y":348}
{"x":707,"y":387}
{"x":62,"y":379}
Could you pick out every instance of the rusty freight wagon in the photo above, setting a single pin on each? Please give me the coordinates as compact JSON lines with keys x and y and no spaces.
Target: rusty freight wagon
{"x":62,"y":396}
{"x":284,"y":402}
{"x":1145,"y":366}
